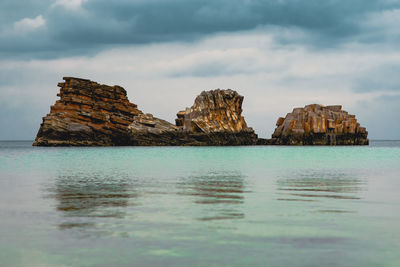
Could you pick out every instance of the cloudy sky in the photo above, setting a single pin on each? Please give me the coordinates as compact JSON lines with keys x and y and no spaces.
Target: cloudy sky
{"x":279,"y":54}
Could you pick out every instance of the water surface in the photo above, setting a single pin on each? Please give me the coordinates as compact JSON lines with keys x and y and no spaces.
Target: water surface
{"x":200,"y":206}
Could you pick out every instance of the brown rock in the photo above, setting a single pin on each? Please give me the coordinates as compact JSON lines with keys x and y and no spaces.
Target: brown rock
{"x":181,"y":117}
{"x":92,"y":114}
{"x":87,"y":113}
{"x":215,"y":111}
{"x":217,"y":114}
{"x":213,"y":120}
{"x":319,"y":125}
{"x":280,"y":121}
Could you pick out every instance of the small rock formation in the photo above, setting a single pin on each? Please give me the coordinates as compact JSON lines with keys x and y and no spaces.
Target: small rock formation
{"x":216,"y":114}
{"x":214,"y":111}
{"x":146,"y":130}
{"x":319,"y":125}
{"x":87,"y":114}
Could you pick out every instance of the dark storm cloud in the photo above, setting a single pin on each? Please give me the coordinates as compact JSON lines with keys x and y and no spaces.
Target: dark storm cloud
{"x":99,"y":24}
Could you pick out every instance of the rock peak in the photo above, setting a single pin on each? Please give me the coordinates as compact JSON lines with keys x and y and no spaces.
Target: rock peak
{"x":218,"y":110}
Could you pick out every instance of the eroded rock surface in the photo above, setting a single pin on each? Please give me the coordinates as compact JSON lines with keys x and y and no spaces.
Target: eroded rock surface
{"x":214,"y":111}
{"x":87,"y":114}
{"x":217,"y":114}
{"x":214,"y":119}
{"x":92,"y":114}
{"x":146,"y":130}
{"x":319,"y":125}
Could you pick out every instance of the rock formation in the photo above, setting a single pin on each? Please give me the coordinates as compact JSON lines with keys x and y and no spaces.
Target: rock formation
{"x":146,"y":130}
{"x":319,"y":125}
{"x":217,"y":114}
{"x":91,"y":114}
{"x":214,"y":111}
{"x":214,"y":119}
{"x":87,"y":114}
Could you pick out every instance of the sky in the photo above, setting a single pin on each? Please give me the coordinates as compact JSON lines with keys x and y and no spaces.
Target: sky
{"x":278,"y":54}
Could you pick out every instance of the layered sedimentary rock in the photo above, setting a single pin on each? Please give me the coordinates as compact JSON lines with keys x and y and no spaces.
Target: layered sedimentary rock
{"x":319,"y":125}
{"x":146,"y":130}
{"x":87,"y":114}
{"x":217,"y":114}
{"x":214,"y":111}
{"x":214,"y":119}
{"x":92,"y":114}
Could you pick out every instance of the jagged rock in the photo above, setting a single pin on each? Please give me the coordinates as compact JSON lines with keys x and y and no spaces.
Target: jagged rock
{"x":216,"y":114}
{"x":214,"y":111}
{"x":91,"y":114}
{"x":87,"y":114}
{"x":214,"y":119}
{"x":319,"y":125}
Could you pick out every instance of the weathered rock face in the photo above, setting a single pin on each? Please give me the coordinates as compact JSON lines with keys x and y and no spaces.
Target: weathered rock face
{"x":319,"y":125}
{"x":217,"y":114}
{"x":214,"y":111}
{"x":146,"y":130}
{"x":91,"y":114}
{"x":214,"y":119}
{"x":87,"y":114}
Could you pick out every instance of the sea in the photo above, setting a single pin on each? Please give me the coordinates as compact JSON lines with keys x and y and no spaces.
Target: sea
{"x":200,"y":206}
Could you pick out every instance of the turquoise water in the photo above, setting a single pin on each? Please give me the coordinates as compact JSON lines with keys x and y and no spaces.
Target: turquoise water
{"x":200,"y":206}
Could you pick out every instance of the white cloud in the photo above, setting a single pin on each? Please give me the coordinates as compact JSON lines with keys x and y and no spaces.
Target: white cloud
{"x":28,"y":24}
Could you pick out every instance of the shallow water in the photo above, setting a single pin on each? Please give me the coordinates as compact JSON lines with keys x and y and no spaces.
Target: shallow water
{"x":200,"y":206}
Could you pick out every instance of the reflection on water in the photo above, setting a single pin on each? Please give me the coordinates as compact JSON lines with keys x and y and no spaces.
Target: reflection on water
{"x":313,"y":187}
{"x":219,"y":195}
{"x":91,"y":196}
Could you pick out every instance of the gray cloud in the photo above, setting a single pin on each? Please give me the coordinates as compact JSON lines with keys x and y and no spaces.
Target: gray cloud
{"x":381,"y":78}
{"x":26,"y":127}
{"x":164,"y":78}
{"x":278,"y":54}
{"x":383,"y":116}
{"x":95,"y":25}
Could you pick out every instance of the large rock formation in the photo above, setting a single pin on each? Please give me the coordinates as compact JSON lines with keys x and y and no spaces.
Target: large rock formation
{"x":319,"y":125}
{"x":87,"y":114}
{"x":91,"y":114}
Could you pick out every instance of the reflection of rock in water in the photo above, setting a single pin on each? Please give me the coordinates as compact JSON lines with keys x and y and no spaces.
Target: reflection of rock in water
{"x":316,"y":186}
{"x":220,"y":195}
{"x":91,"y":196}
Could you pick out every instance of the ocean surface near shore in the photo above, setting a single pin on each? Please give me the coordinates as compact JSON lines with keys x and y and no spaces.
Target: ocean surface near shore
{"x":200,"y":206}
